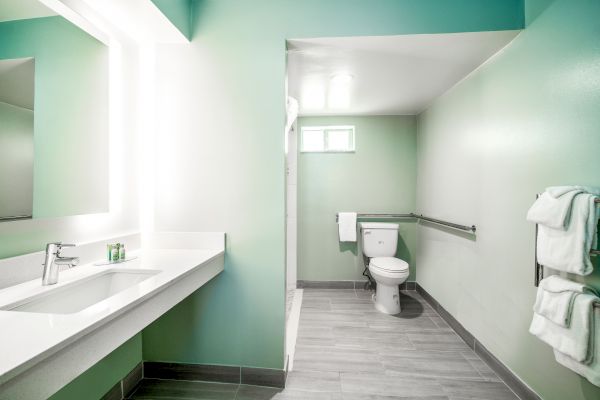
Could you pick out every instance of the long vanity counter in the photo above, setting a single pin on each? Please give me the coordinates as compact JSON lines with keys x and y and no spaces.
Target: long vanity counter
{"x":54,"y":333}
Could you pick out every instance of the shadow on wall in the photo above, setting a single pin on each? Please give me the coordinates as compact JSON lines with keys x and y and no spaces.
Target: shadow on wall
{"x":348,"y":246}
{"x":402,"y":251}
{"x":535,"y":8}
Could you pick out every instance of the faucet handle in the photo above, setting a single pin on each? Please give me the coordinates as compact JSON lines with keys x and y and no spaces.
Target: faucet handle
{"x":55,"y":247}
{"x":59,"y":247}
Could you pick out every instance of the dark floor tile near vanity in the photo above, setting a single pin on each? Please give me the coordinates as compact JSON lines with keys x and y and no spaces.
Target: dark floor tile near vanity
{"x":162,"y":388}
{"x":348,"y":351}
{"x":192,"y":372}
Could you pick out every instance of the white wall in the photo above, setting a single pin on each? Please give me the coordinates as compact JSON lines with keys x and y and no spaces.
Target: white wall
{"x":291,"y":208}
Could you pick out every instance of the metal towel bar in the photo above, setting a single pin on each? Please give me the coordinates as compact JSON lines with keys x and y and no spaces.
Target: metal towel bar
{"x":465,"y":228}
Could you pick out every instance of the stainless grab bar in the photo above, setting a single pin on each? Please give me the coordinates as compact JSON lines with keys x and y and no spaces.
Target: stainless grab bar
{"x":471,"y":229}
{"x":15,"y":218}
{"x":465,"y":228}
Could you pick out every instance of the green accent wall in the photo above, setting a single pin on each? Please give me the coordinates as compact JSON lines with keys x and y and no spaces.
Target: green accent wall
{"x":178,"y":12}
{"x":99,"y":379}
{"x":379,"y":177}
{"x":526,"y":120}
{"x":71,"y":115}
{"x":222,"y":154}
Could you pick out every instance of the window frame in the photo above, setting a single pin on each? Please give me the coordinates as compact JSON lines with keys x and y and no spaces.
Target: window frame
{"x":326,"y":129}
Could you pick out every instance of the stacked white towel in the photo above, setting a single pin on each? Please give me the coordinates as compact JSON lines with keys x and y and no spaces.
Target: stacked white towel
{"x":564,"y":318}
{"x":567,"y":218}
{"x":555,"y":298}
{"x":590,"y":371}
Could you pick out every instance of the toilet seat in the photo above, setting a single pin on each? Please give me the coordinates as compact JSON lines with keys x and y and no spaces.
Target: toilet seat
{"x":389,"y":264}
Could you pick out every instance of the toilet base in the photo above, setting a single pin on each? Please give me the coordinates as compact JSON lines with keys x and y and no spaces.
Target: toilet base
{"x":387,"y":299}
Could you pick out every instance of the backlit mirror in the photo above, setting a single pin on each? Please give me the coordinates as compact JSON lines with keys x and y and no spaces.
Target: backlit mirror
{"x":16,"y":137}
{"x":53,"y":115}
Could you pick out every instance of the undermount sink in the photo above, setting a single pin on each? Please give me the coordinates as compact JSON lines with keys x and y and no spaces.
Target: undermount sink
{"x":81,"y":294}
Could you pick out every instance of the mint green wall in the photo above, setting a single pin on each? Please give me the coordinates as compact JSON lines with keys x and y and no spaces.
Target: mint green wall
{"x":221,"y":159}
{"x":178,"y":12}
{"x":71,"y":114}
{"x":99,"y":379}
{"x":379,"y":177}
{"x":526,"y":120}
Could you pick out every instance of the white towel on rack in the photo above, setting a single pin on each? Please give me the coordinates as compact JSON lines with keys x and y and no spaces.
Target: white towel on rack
{"x":569,"y":250}
{"x":590,"y":371}
{"x":553,"y":207}
{"x":347,"y":226}
{"x":555,"y":298}
{"x":577,"y":341}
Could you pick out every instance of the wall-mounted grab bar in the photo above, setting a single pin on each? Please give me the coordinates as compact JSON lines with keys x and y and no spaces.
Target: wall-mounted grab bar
{"x":471,"y":229}
{"x":15,"y":218}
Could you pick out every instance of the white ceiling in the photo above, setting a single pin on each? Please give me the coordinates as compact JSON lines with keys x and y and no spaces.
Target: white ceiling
{"x":391,"y":75}
{"x":11,"y":10}
{"x":17,"y":82}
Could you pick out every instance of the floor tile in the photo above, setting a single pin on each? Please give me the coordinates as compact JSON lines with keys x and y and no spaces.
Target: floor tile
{"x":385,"y":385}
{"x":346,"y":350}
{"x":166,"y":389}
{"x":314,"y":381}
{"x":248,"y":392}
{"x":479,"y":390}
{"x":430,"y":364}
{"x":440,"y":340}
{"x":354,"y":396}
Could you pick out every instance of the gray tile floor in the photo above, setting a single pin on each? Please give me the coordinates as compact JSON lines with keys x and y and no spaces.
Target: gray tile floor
{"x":348,"y":351}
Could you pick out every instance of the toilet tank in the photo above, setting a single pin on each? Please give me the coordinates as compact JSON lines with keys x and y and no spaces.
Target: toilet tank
{"x":379,"y":239}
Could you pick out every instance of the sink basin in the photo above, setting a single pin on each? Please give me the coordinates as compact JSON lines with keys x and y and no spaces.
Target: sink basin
{"x":83,"y":293}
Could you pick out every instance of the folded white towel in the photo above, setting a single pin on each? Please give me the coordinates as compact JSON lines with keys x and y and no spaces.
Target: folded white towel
{"x":568,"y":250}
{"x":553,"y":207}
{"x":555,"y":297}
{"x":578,"y":341}
{"x":347,"y":226}
{"x":590,"y":371}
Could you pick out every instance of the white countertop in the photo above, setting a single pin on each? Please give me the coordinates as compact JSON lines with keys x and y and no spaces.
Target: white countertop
{"x":26,"y":338}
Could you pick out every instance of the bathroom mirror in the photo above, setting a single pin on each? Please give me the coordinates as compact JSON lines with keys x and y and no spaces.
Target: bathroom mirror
{"x":53,"y":115}
{"x":16,"y":138}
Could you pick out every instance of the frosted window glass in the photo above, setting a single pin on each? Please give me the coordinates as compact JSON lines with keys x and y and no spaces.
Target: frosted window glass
{"x":313,"y":140}
{"x":338,"y":140}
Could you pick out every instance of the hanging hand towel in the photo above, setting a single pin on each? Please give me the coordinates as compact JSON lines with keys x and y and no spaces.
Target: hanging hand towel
{"x":347,"y":226}
{"x":590,"y":371}
{"x":569,"y":250}
{"x":555,"y":298}
{"x":577,"y":341}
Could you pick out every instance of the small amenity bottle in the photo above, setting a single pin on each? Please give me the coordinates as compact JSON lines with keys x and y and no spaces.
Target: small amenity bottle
{"x":114,"y":253}
{"x":122,"y":251}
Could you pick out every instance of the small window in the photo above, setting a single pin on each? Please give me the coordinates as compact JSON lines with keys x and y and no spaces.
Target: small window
{"x":327,"y":139}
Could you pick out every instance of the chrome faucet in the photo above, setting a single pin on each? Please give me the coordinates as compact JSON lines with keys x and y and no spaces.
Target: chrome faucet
{"x":53,"y":260}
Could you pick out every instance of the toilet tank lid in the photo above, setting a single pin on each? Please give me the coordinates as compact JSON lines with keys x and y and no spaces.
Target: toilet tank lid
{"x":378,"y":225}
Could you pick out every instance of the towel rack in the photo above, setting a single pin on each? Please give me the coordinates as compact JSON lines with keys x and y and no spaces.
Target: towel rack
{"x":539,"y":268}
{"x":465,"y":228}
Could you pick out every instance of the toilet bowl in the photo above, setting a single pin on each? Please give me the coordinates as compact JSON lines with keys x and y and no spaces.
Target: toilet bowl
{"x":388,"y":273}
{"x":379,"y":241}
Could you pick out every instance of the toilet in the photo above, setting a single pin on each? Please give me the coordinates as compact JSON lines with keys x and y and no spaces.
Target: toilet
{"x":379,"y":242}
